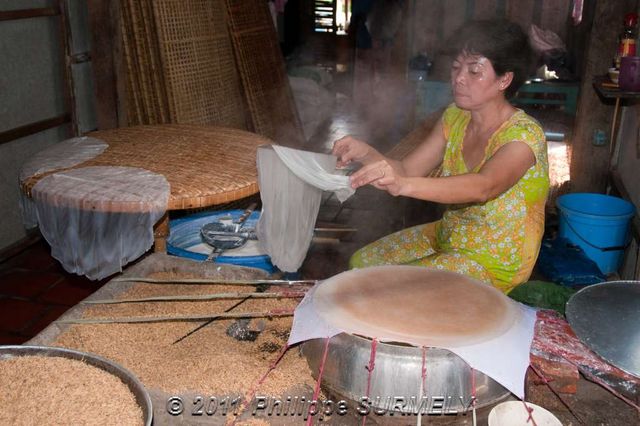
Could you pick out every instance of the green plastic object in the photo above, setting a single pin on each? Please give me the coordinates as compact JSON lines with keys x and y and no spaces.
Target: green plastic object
{"x":542,"y":294}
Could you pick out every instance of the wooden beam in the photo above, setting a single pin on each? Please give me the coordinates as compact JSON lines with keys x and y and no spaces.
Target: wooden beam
{"x":70,"y":88}
{"x":32,"y":128}
{"x":13,"y":15}
{"x":103,"y":22}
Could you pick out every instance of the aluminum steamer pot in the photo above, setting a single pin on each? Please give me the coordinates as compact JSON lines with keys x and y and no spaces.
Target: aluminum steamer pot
{"x":398,"y":373}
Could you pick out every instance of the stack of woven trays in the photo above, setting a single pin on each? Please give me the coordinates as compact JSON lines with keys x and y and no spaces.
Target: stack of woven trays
{"x":210,"y":62}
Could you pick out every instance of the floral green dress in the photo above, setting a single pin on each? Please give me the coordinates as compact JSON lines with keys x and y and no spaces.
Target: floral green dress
{"x":497,"y":241}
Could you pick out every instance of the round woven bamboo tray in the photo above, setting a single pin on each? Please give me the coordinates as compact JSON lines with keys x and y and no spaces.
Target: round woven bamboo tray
{"x":204,"y":165}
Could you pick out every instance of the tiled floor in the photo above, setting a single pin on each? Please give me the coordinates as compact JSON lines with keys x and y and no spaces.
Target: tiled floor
{"x":34,"y":291}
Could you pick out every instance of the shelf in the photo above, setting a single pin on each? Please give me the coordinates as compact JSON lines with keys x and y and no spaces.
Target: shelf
{"x":601,"y":85}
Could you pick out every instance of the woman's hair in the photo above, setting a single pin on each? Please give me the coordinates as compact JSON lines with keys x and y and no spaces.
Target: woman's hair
{"x":503,"y":42}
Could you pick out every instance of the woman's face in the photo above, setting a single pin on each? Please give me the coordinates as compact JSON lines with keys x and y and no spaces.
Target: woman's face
{"x":474,"y":81}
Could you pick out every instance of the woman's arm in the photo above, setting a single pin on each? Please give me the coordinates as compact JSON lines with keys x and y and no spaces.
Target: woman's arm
{"x":349,"y":149}
{"x":428,"y":155}
{"x":420,"y":162}
{"x":498,"y":174}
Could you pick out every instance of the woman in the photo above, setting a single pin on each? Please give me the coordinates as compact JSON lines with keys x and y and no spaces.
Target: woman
{"x":494,"y":172}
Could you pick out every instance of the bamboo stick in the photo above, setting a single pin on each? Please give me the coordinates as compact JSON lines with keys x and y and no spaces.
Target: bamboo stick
{"x":131,"y":320}
{"x":335,"y":229}
{"x":211,"y":281}
{"x":195,"y":297}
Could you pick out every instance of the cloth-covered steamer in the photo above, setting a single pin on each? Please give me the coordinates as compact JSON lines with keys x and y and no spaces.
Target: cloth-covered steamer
{"x":98,"y":219}
{"x":426,"y":333}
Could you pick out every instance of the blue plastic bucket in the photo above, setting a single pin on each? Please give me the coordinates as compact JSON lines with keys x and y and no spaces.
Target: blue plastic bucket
{"x":184,"y":240}
{"x":599,"y":224}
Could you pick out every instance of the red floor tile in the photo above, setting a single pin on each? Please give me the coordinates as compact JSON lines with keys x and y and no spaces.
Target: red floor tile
{"x":36,"y":257}
{"x":11,"y":339}
{"x":84,"y":282}
{"x":17,"y":314}
{"x":68,"y":292}
{"x":26,"y":284}
{"x":50,"y":315}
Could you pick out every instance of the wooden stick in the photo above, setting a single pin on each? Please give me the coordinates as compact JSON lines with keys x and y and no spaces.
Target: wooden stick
{"x":325,"y":240}
{"x":206,"y":323}
{"x":335,"y":229}
{"x":210,"y":281}
{"x":217,"y":296}
{"x":130,"y":320}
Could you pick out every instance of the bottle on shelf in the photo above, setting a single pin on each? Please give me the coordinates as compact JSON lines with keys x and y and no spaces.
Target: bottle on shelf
{"x":627,"y":39}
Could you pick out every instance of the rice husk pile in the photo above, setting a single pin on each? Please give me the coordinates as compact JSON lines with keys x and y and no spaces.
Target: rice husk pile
{"x":209,"y":361}
{"x":254,"y":422}
{"x":40,"y":390}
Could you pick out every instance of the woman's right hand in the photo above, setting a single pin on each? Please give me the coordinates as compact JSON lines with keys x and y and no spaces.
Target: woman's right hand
{"x":349,"y":149}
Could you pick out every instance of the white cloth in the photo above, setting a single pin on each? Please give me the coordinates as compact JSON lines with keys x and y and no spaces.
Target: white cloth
{"x":97,"y":219}
{"x":291,"y":185}
{"x":62,"y":155}
{"x":316,"y":169}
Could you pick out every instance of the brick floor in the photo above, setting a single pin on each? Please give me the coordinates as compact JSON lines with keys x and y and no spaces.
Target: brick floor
{"x":35,"y":291}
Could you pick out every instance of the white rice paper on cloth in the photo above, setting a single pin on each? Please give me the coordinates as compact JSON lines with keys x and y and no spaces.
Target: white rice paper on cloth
{"x":98,"y":219}
{"x":291,"y":185}
{"x":503,"y":357}
{"x":62,"y":155}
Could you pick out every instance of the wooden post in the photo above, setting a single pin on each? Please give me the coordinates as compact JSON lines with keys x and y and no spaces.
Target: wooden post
{"x":67,"y":43}
{"x":160,"y":234}
{"x":104,"y":43}
{"x":590,"y":163}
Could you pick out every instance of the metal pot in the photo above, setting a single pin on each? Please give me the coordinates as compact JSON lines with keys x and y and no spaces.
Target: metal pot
{"x":397,"y":376}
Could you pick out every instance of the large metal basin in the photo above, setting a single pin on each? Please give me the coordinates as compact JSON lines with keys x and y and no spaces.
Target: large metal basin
{"x":398,"y":374}
{"x":134,"y":385}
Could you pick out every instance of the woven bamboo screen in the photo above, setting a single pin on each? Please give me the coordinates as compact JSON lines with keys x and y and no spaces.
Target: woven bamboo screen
{"x":262,"y":69}
{"x":199,"y":67}
{"x":180,"y":63}
{"x":209,"y":62}
{"x":146,"y":93}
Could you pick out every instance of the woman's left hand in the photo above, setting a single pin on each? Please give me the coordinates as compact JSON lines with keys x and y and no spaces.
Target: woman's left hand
{"x":381,"y":175}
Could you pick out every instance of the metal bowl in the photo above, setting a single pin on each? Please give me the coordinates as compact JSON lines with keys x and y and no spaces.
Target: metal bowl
{"x":398,"y":373}
{"x":138,"y":390}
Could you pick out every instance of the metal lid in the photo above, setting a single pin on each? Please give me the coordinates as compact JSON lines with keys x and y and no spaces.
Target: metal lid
{"x":606,"y":318}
